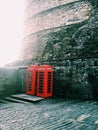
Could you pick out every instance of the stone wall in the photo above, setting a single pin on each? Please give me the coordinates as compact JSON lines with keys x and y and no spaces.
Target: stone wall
{"x":45,"y":17}
{"x":12,"y":80}
{"x":73,"y":78}
{"x":8,"y":81}
{"x":58,"y":16}
{"x":37,"y":6}
{"x":22,"y":79}
{"x":76,"y":78}
{"x":64,"y":33}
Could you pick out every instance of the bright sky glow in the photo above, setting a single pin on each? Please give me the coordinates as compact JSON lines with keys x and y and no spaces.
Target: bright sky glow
{"x":11,"y":24}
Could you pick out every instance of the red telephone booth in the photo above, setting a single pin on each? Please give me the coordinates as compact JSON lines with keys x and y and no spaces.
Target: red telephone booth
{"x":31,"y":80}
{"x":45,"y":81}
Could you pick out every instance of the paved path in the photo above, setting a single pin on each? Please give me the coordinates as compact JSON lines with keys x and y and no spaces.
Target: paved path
{"x":49,"y":114}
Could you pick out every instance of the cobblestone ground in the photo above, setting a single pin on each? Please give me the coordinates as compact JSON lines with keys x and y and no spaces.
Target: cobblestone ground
{"x":50,"y":114}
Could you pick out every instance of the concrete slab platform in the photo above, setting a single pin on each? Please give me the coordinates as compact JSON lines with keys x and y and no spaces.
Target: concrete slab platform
{"x":11,"y":99}
{"x":29,"y":98}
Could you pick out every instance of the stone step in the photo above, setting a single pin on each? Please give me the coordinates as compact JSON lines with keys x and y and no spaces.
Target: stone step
{"x":4,"y":101}
{"x":10,"y":99}
{"x":28,"y":98}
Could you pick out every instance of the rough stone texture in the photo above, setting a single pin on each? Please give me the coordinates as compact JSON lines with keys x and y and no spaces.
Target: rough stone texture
{"x":22,"y":79}
{"x":52,"y":25}
{"x":50,"y":114}
{"x":39,"y":6}
{"x":64,"y":33}
{"x":12,"y":80}
{"x":77,"y":78}
{"x":58,"y":16}
{"x":8,"y":81}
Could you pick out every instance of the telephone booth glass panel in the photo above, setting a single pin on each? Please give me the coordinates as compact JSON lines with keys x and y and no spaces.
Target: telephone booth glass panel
{"x":31,"y":80}
{"x":45,"y":81}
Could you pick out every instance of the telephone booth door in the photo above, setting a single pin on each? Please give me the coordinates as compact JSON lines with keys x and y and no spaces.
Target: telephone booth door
{"x":45,"y":81}
{"x":31,"y":80}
